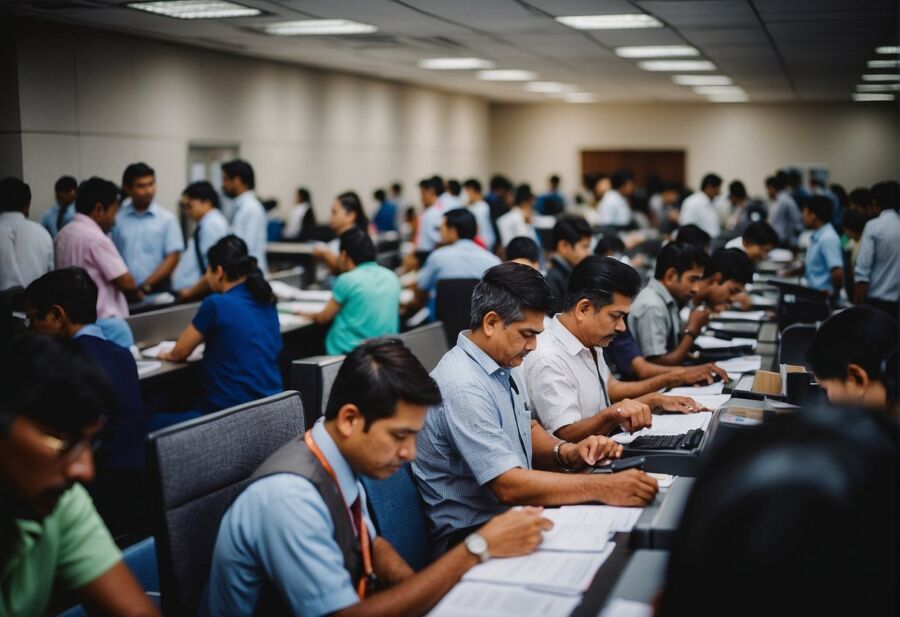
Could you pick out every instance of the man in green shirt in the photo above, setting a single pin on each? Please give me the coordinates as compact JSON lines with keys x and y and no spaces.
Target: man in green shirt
{"x":365,"y":302}
{"x":53,"y":545}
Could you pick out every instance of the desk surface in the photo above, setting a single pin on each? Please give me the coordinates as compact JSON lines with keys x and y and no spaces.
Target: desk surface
{"x":290,"y":248}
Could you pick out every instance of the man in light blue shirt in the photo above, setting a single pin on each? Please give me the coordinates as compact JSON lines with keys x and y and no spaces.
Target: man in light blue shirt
{"x":877,"y":272}
{"x":147,"y":235}
{"x":200,"y":202}
{"x":63,"y":211}
{"x":428,"y":235}
{"x":823,"y":266}
{"x":784,"y":214}
{"x":290,"y":543}
{"x":480,"y":451}
{"x":482,"y":212}
{"x":249,"y":222}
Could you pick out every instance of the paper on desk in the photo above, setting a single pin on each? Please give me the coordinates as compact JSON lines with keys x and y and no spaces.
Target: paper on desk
{"x":407,"y":295}
{"x":619,"y":607}
{"x":145,"y":367}
{"x":297,"y":306}
{"x":568,"y":573}
{"x":616,"y":518}
{"x":489,"y":600}
{"x":288,"y":292}
{"x":763,"y":301}
{"x":576,"y":537}
{"x":711,"y":342}
{"x":744,"y":364}
{"x":692,"y":391}
{"x":742,"y":315}
{"x":669,"y":424}
{"x":781,"y":255}
{"x":153,"y":352}
{"x":712,"y":401}
{"x":286,"y":320}
{"x":664,"y":480}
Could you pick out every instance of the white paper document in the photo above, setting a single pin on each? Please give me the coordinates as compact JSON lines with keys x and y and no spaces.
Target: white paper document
{"x":742,"y":315}
{"x":288,"y":292}
{"x":763,"y":301}
{"x":302,"y":306}
{"x":146,"y":367}
{"x":712,"y":401}
{"x":713,"y":388}
{"x":286,"y":320}
{"x":711,"y":342}
{"x":781,"y":255}
{"x":153,"y":352}
{"x":743,"y":364}
{"x":569,"y":573}
{"x":670,"y":424}
{"x":616,"y":518}
{"x":576,"y":537}
{"x":487,"y":600}
{"x":619,"y":607}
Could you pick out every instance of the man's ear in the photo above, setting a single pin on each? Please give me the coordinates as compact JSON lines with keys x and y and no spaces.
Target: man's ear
{"x":348,"y":417}
{"x":490,"y":322}
{"x":670,"y":275}
{"x":858,"y":375}
{"x":58,"y":313}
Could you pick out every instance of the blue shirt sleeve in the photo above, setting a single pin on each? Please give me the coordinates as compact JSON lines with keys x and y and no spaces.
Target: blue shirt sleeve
{"x":205,"y":319}
{"x":427,"y":275}
{"x":623,"y":350}
{"x":341,"y":288}
{"x":831,"y":253}
{"x":172,"y":241}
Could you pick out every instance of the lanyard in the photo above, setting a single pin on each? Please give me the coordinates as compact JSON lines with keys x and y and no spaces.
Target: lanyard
{"x":512,"y":400}
{"x":361,"y":526}
{"x":600,"y":377}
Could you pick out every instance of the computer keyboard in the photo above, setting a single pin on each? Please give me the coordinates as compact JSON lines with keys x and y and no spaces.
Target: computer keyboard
{"x":685,"y":441}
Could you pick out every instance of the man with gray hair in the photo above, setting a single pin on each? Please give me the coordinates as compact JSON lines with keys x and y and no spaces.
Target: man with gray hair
{"x":480,"y":453}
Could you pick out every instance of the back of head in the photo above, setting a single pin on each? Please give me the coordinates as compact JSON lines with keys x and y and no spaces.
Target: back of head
{"x":554,"y":181}
{"x":737,"y":190}
{"x":731,"y":264}
{"x":304,"y":195}
{"x":523,"y":195}
{"x":463,"y":222}
{"x":523,"y":247}
{"x":500,"y":182}
{"x":796,"y":517}
{"x":438,"y":183}
{"x":396,"y":188}
{"x":135,"y":171}
{"x":710,"y":180}
{"x":239,"y":168}
{"x":853,"y":220}
{"x":860,"y":197}
{"x":473,"y":184}
{"x":571,"y":229}
{"x":202,"y":191}
{"x":620,"y":178}
{"x":453,"y":187}
{"x":509,"y":289}
{"x":376,"y":376}
{"x":693,"y":235}
{"x":775,"y":182}
{"x":597,"y":278}
{"x":886,"y":195}
{"x":379,"y":195}
{"x":15,"y":195}
{"x":820,"y":206}
{"x":680,"y":256}
{"x":93,"y":191}
{"x":351,"y":202}
{"x":65,"y":184}
{"x":760,"y":233}
{"x":231,"y":254}
{"x":358,"y":246}
{"x":71,"y":288}
{"x":436,"y":186}
{"x":608,"y":245}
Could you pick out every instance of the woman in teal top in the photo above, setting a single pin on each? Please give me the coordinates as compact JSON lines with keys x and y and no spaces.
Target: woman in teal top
{"x":365,"y":300}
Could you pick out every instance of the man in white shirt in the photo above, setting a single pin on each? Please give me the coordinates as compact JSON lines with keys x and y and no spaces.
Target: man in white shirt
{"x":26,"y":248}
{"x":249,"y":223}
{"x":301,"y":216}
{"x":482,"y":212}
{"x":614,"y":208}
{"x":517,"y":222}
{"x":699,"y":209}
{"x":428,"y":235}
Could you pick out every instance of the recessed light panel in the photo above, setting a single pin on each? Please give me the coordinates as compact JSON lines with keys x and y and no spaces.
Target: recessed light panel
{"x":313,"y":27}
{"x":657,"y":51}
{"x":455,"y":64}
{"x":720,"y":90}
{"x":878,"y":88}
{"x":887,"y":49}
{"x":580,"y":97}
{"x":677,"y":65}
{"x":881,"y":77}
{"x":883,"y":64}
{"x":506,"y":75}
{"x":548,"y":87}
{"x":610,"y":22}
{"x":196,"y":9}
{"x":873,"y":97}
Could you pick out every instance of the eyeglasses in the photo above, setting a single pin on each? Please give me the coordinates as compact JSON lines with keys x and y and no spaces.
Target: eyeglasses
{"x":68,"y":450}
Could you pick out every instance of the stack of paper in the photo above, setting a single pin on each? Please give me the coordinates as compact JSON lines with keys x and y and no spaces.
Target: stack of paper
{"x":694,"y":391}
{"x":153,"y":352}
{"x":711,"y":342}
{"x":763,"y":301}
{"x":742,"y":315}
{"x":288,"y":292}
{"x":563,"y":573}
{"x":616,"y":518}
{"x":744,"y":364}
{"x":712,"y":401}
{"x":469,"y":598}
{"x":302,"y":306}
{"x":286,"y":320}
{"x":781,"y":255}
{"x":672,"y":424}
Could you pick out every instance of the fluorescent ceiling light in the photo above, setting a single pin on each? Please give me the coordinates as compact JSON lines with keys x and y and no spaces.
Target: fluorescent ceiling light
{"x":727,"y":98}
{"x":580,"y":97}
{"x":878,"y":88}
{"x":701,"y":80}
{"x":455,"y":64}
{"x":311,"y":27}
{"x":196,"y":9}
{"x":873,"y":97}
{"x":548,"y":87}
{"x":657,"y":51}
{"x":881,"y":77}
{"x":723,"y":90}
{"x":883,"y":64}
{"x":887,"y":49}
{"x":677,"y":65}
{"x":610,"y":22}
{"x":507,"y":75}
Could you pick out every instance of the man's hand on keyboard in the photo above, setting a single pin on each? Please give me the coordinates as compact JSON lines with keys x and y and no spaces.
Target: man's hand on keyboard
{"x":589,"y":451}
{"x":681,"y":404}
{"x":632,"y":487}
{"x":631,"y":415}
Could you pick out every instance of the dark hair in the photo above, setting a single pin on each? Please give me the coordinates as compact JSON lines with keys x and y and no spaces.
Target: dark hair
{"x":239,"y":168}
{"x":303,"y":194}
{"x":737,"y":189}
{"x":397,"y":187}
{"x":71,"y":288}
{"x":93,"y":191}
{"x":523,"y":247}
{"x":571,"y":229}
{"x":732,"y":264}
{"x":523,"y":194}
{"x":358,"y":245}
{"x":231,"y":253}
{"x":841,"y":193}
{"x":500,"y":182}
{"x":609,"y":244}
{"x":473,"y":184}
{"x":760,"y":233}
{"x":886,"y":195}
{"x":861,"y":335}
{"x":453,"y":187}
{"x":439,"y":183}
{"x":853,"y":220}
{"x":597,"y":278}
{"x":65,"y":183}
{"x":776,"y":182}
{"x":508,"y":289}
{"x":351,"y":203}
{"x":680,"y":256}
{"x":379,"y":195}
{"x":202,"y":191}
{"x":15,"y":195}
{"x":620,"y":178}
{"x":463,"y":222}
{"x":376,"y":376}
{"x":554,"y":180}
{"x":860,"y":196}
{"x":710,"y":180}
{"x":135,"y":171}
{"x":430,"y":184}
{"x":820,"y":206}
{"x":694,"y":235}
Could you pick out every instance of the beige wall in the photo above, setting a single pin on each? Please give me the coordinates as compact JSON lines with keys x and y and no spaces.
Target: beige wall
{"x":92,"y":102}
{"x":857,"y":141}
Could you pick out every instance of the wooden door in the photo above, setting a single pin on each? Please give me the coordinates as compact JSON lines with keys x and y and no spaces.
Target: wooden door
{"x":668,"y":165}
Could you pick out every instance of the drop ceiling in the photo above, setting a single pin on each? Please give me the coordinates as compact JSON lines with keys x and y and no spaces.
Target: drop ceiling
{"x":777,"y":50}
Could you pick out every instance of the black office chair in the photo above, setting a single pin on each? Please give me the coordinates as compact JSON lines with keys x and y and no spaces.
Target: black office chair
{"x":453,"y":305}
{"x":196,"y":469}
{"x":798,"y":304}
{"x":793,"y":343}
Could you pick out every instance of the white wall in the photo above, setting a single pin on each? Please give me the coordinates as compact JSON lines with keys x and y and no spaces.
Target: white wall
{"x":858,"y":142}
{"x":93,"y":102}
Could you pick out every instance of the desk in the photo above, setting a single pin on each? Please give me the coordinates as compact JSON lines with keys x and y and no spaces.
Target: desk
{"x":294,"y":253}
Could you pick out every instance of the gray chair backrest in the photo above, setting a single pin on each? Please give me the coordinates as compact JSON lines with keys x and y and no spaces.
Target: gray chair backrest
{"x":196,"y":469}
{"x":313,"y":378}
{"x":795,"y":340}
{"x":165,"y":324}
{"x":428,"y":344}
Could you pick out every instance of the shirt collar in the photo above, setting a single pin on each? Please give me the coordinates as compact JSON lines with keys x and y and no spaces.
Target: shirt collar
{"x":559,"y":262}
{"x":482,"y":359}
{"x":568,"y":340}
{"x":661,"y":290}
{"x":84,"y":219}
{"x":887,"y":212}
{"x":11,"y":215}
{"x":90,"y":329}
{"x":244,"y":197}
{"x":129,"y":210}
{"x":346,"y":477}
{"x":821,"y":231}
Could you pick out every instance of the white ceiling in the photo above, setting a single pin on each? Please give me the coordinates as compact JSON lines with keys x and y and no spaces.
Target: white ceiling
{"x":777,"y":50}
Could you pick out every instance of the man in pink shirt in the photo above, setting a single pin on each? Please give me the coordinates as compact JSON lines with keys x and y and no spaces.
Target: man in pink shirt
{"x":84,"y":243}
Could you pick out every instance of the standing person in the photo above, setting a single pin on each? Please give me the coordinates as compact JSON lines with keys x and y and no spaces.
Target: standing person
{"x":823,"y":266}
{"x":249,"y":222}
{"x":346,"y":213}
{"x":84,"y":243}
{"x":147,"y":235}
{"x":26,"y":248}
{"x":571,"y":243}
{"x":302,"y":216}
{"x":385,"y":218}
{"x":482,"y":212}
{"x":552,"y":202}
{"x":239,"y":326}
{"x":698,"y":208}
{"x":428,"y":235}
{"x":200,"y":203}
{"x":614,"y":208}
{"x":517,"y":222}
{"x":877,"y":272}
{"x":499,"y":198}
{"x":61,"y":212}
{"x":784,"y":214}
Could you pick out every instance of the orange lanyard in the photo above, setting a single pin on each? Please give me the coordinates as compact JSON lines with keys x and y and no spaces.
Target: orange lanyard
{"x":360,"y":525}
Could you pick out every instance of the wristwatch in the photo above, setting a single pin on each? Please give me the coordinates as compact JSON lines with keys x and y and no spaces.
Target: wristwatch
{"x":689,"y":333}
{"x":558,"y":456}
{"x":146,"y":288}
{"x":478,"y":546}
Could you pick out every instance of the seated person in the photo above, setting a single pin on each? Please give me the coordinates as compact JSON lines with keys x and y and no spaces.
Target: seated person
{"x":518,"y":221}
{"x":239,"y":326}
{"x":287,"y":545}
{"x":693,"y":235}
{"x":624,"y":356}
{"x":725,"y":278}
{"x":63,"y":303}
{"x":365,"y":300}
{"x":346,"y":213}
{"x":525,"y":251}
{"x":385,"y":218}
{"x":571,"y":243}
{"x":200,"y":203}
{"x":26,"y":248}
{"x":757,"y":240}
{"x":53,"y":546}
{"x":854,"y":356}
{"x":654,"y":318}
{"x":480,"y":453}
{"x":823,"y":265}
{"x":568,"y":382}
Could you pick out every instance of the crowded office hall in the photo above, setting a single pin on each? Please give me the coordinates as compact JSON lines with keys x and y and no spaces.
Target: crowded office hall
{"x":502,"y":308}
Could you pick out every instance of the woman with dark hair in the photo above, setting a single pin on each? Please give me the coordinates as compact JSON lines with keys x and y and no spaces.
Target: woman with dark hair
{"x":346,"y":213}
{"x":239,"y":325}
{"x":301,"y":217}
